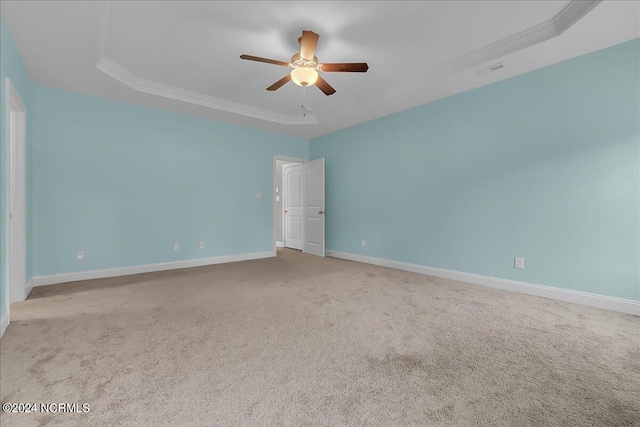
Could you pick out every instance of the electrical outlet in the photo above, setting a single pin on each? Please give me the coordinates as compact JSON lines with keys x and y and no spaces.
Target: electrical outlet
{"x":176,"y":247}
{"x":363,"y":243}
{"x":80,"y":255}
{"x":201,"y":246}
{"x":519,"y":263}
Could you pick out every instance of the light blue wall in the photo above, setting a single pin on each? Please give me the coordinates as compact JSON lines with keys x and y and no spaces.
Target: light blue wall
{"x":545,"y":166}
{"x":11,"y":66}
{"x":123,"y":183}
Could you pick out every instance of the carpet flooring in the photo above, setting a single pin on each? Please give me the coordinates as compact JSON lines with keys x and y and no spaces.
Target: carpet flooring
{"x":301,"y":340}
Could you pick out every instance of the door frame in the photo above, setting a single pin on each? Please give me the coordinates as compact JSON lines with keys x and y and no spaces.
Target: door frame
{"x":273,"y":195}
{"x":15,"y":105}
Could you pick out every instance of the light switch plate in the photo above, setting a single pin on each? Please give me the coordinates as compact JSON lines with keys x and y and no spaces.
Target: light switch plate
{"x":258,"y":195}
{"x":277,"y":198}
{"x":277,"y":190}
{"x":176,"y":247}
{"x":201,"y":246}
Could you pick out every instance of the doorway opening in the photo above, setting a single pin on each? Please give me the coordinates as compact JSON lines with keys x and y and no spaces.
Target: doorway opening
{"x":16,"y":125}
{"x":299,"y":215}
{"x":278,"y":197}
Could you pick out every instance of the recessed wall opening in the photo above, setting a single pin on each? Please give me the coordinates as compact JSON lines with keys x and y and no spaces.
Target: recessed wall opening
{"x":299,"y":205}
{"x":16,"y":125}
{"x":278,"y":198}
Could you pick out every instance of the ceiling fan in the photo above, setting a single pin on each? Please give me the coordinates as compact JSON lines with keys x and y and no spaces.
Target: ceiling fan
{"x":306,"y":66}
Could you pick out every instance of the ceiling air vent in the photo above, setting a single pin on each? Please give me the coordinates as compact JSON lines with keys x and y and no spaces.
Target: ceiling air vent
{"x":493,"y":67}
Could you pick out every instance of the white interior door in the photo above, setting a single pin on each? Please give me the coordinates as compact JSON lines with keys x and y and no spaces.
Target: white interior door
{"x":292,"y":177}
{"x":314,"y":213}
{"x":16,"y":157}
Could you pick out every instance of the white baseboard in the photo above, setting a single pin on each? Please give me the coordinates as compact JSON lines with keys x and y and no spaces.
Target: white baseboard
{"x":279,"y":244}
{"x":4,"y":323}
{"x":147,"y":268}
{"x":577,"y":297}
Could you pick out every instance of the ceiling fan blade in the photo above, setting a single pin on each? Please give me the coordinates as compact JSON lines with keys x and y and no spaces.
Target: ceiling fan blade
{"x":308,"y":43}
{"x":265,"y":60}
{"x":324,"y":86}
{"x":347,"y":67}
{"x":277,"y":85}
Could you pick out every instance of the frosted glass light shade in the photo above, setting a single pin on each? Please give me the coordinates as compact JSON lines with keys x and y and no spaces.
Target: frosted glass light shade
{"x":304,"y":76}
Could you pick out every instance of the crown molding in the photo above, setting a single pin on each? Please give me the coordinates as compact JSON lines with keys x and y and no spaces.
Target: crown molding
{"x":126,"y":77}
{"x":560,"y":23}
{"x":140,"y":84}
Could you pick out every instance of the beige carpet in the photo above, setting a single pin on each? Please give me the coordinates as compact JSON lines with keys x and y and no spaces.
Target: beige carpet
{"x":300,"y":340}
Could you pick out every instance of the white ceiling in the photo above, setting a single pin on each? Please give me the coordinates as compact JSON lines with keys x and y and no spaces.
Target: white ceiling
{"x":417,"y":52}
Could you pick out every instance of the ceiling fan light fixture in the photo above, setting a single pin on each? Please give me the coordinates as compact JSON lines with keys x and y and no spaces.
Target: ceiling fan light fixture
{"x":304,"y":76}
{"x":306,"y":66}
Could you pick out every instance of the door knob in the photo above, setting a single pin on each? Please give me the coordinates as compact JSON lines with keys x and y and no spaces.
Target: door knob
{"x":285,"y":211}
{"x":322,"y":212}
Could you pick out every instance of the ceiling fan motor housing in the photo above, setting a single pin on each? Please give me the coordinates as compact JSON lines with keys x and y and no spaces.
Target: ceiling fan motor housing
{"x":298,"y":62}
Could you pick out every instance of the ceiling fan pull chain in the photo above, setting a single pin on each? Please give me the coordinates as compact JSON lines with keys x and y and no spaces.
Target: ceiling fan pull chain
{"x":304,"y":113}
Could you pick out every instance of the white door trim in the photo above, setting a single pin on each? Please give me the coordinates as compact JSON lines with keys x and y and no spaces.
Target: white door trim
{"x":4,"y":323}
{"x":273,"y":195}
{"x":15,"y":105}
